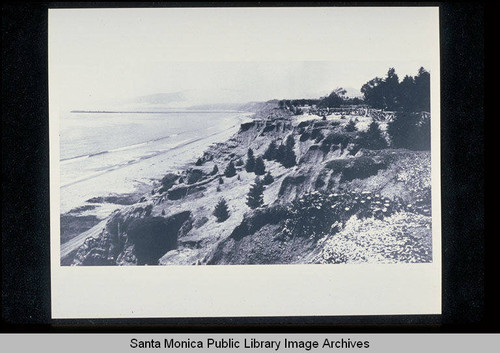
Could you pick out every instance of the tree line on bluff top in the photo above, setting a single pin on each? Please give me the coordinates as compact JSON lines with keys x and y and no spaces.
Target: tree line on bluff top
{"x":407,"y":98}
{"x":412,"y":94}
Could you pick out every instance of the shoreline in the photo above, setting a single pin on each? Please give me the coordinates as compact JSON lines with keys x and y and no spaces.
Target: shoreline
{"x":85,"y":203}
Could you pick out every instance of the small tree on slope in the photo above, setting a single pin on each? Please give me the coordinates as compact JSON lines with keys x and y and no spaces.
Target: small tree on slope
{"x":268,"y":179}
{"x":221,"y":211}
{"x":351,"y":126}
{"x":250,"y":165}
{"x":255,"y":197}
{"x":280,"y":153}
{"x":260,"y":168}
{"x":372,"y":139}
{"x":270,"y":153}
{"x":230,"y":170}
{"x":289,"y":159}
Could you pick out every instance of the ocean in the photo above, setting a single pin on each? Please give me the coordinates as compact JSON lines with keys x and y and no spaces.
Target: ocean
{"x":98,"y":150}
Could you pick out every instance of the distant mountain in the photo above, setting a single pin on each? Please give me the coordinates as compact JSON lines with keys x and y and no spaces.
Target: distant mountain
{"x":247,"y":107}
{"x":161,"y":98}
{"x":353,"y":92}
{"x":216,"y":106}
{"x":216,"y":98}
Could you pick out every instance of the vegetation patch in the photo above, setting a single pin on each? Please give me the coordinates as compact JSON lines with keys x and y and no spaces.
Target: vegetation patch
{"x":317,"y":214}
{"x":269,"y":128}
{"x":194,"y":175}
{"x":335,"y":139}
{"x":291,"y":181}
{"x":337,"y":165}
{"x":373,"y":138}
{"x":410,"y":130}
{"x":71,"y":226}
{"x":259,"y":218}
{"x":182,"y":191}
{"x":303,"y":124}
{"x":246,"y":126}
{"x":362,"y":168}
{"x":304,"y":137}
{"x":122,"y":199}
{"x":168,"y":181}
{"x":317,"y":135}
{"x":401,"y":237}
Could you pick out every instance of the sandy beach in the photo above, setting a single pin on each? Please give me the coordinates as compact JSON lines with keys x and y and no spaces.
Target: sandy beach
{"x":109,"y":190}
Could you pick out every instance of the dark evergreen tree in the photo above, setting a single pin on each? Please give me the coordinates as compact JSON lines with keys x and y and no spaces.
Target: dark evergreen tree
{"x":422,"y":139}
{"x":410,"y":130}
{"x":230,"y":170}
{"x":401,"y":128}
{"x":391,"y":90}
{"x":199,"y":162}
{"x":221,"y":181}
{"x":280,"y":153}
{"x":255,"y":197}
{"x":290,"y":159}
{"x":250,"y":164}
{"x":268,"y":179}
{"x":215,"y":170}
{"x":372,"y":92}
{"x":407,"y":98}
{"x":290,"y":142}
{"x":412,"y":94}
{"x":422,"y":91}
{"x":351,"y":126}
{"x":221,"y":211}
{"x":372,"y":138}
{"x":270,"y":153}
{"x":260,"y":168}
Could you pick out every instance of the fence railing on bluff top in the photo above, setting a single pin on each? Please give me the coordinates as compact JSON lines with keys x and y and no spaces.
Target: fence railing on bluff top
{"x":376,"y":114}
{"x":388,"y":116}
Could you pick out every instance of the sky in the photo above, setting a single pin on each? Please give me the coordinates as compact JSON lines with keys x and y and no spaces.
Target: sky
{"x":104,"y":56}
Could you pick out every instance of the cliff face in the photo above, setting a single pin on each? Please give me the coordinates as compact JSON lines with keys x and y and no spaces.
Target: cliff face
{"x":311,"y":210}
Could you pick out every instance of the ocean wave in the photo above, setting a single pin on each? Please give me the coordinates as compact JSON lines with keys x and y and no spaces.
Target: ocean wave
{"x":118,"y":149}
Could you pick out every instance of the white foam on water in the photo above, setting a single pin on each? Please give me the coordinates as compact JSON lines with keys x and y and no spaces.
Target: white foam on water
{"x":121,"y":169}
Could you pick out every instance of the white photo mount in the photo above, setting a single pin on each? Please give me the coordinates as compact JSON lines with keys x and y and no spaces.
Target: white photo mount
{"x":256,"y":35}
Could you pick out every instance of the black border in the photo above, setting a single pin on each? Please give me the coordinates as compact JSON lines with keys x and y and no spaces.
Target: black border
{"x":470,"y":265}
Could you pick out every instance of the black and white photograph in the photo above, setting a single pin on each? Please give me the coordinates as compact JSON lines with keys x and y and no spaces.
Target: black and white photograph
{"x":232,"y":136}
